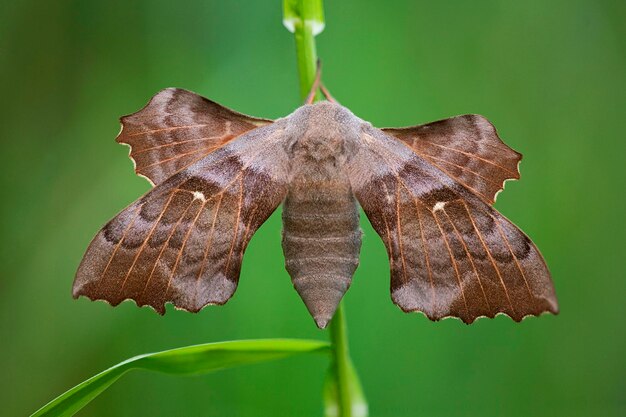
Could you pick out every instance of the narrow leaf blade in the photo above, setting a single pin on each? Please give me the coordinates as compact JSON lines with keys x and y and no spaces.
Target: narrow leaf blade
{"x":188,"y":360}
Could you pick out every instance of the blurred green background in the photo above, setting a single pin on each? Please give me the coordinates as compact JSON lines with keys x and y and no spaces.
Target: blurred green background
{"x":550,"y":75}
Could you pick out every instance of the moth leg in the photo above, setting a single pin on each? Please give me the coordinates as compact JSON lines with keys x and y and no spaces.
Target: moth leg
{"x":327,"y":94}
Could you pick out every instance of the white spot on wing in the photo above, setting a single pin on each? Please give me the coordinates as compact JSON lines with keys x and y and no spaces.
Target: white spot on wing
{"x":197,"y":195}
{"x":439,"y":205}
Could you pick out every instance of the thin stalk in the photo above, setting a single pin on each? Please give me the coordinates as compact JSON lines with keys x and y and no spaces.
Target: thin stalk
{"x":306,"y":55}
{"x":341,"y":361}
{"x":305,"y":18}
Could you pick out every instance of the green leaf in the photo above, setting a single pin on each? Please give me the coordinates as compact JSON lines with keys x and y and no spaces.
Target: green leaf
{"x":182,"y":361}
{"x":358,"y":403}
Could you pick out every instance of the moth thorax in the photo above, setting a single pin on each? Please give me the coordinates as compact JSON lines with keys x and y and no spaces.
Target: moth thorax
{"x":321,"y":243}
{"x":318,"y":148}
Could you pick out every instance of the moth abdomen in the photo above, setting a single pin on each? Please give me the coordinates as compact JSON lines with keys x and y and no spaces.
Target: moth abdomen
{"x":321,"y":243}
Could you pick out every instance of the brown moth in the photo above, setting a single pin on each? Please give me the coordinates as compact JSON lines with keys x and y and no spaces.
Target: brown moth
{"x":218,"y":175}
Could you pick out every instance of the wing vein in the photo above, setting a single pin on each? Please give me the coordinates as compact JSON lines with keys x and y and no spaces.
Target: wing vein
{"x":464,"y":169}
{"x":193,"y":224}
{"x":508,"y":245}
{"x":182,"y":142}
{"x":456,"y":268}
{"x":390,"y":248}
{"x":182,"y":247}
{"x":493,"y":262}
{"x":425,"y":249}
{"x":165,"y":129}
{"x":156,"y":262}
{"x":145,"y":241}
{"x":469,"y":256}
{"x":399,"y":229}
{"x":209,"y":239}
{"x":117,"y":246}
{"x":174,"y":157}
{"x":471,"y":155}
{"x":249,"y":225}
{"x":234,"y":240}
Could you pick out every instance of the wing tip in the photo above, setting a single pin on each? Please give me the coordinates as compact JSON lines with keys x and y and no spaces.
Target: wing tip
{"x":121,"y":136}
{"x":159,"y":94}
{"x":482,"y":122}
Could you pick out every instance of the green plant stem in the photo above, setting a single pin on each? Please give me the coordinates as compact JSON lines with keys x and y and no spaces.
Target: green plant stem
{"x":305,"y":18}
{"x":306,"y":55}
{"x":341,"y":361}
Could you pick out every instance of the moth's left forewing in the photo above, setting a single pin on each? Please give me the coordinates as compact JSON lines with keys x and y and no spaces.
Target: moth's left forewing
{"x":183,"y":241}
{"x":450,"y":252}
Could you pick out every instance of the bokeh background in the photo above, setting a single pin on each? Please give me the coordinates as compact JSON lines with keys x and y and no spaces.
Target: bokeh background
{"x":550,"y":75}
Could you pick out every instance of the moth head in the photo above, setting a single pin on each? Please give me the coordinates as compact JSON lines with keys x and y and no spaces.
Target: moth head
{"x":322,"y":130}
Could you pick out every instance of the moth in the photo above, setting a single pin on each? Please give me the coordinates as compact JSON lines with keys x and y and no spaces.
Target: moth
{"x":218,"y":175}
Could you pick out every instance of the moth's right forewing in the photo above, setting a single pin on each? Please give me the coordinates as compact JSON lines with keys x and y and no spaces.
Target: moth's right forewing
{"x":450,"y":253}
{"x":183,"y":241}
{"x":468,"y":149}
